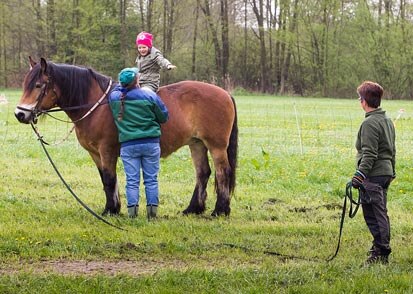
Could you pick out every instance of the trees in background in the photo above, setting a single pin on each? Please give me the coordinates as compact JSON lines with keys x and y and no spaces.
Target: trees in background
{"x":306,"y":47}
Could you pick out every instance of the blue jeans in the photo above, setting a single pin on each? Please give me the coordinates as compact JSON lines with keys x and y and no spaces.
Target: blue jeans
{"x":146,"y":157}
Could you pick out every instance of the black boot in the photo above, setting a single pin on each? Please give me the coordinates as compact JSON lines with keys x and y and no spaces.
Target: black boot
{"x":377,"y":256}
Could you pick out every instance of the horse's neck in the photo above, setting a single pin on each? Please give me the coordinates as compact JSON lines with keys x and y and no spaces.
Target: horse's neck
{"x":95,"y":97}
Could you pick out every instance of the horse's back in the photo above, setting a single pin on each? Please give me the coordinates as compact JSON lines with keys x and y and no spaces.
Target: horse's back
{"x":194,"y":92}
{"x":197,"y":110}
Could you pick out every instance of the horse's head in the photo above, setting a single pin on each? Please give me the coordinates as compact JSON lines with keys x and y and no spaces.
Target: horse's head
{"x":39,"y":92}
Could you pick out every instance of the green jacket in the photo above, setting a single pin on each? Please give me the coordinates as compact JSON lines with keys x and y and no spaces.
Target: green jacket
{"x":376,"y":148}
{"x":143,"y":112}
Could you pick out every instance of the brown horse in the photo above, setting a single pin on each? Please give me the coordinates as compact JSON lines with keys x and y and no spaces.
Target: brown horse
{"x":201,"y":115}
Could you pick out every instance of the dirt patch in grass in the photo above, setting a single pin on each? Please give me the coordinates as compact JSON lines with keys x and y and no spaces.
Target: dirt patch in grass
{"x":81,"y":267}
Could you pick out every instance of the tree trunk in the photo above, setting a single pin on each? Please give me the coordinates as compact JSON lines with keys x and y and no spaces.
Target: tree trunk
{"x":51,"y":27}
{"x":270,"y":26}
{"x":225,"y":44}
{"x":19,"y":39}
{"x":194,"y":40}
{"x":379,"y":8}
{"x":165,"y":21}
{"x":73,"y":38}
{"x":170,"y":27}
{"x":259,"y":13}
{"x":326,"y":32}
{"x":218,"y":56}
{"x":287,"y":59}
{"x":278,"y":56}
{"x":39,"y":26}
{"x":149,"y":14}
{"x":282,"y":47}
{"x":169,"y":23}
{"x":387,"y":11}
{"x":142,"y":13}
{"x":3,"y":51}
{"x":123,"y":33}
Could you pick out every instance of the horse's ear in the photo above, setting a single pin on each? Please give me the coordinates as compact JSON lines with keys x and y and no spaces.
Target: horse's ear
{"x":32,"y":62}
{"x":43,"y":64}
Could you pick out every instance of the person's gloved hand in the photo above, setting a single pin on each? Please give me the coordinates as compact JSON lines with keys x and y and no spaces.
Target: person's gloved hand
{"x":357,"y":180}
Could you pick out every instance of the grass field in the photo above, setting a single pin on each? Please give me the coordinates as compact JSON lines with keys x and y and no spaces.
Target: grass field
{"x":295,"y":157}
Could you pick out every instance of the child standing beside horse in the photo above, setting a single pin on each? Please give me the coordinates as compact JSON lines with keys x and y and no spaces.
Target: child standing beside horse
{"x":150,"y":61}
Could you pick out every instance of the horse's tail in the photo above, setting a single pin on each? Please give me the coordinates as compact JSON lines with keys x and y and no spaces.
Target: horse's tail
{"x":232,"y":150}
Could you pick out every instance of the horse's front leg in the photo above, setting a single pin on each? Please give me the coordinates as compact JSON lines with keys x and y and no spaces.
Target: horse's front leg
{"x":106,"y":164}
{"x":110,"y":186}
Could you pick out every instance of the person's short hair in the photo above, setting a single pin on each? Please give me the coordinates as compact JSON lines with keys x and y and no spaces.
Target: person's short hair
{"x":371,"y":92}
{"x":127,"y":76}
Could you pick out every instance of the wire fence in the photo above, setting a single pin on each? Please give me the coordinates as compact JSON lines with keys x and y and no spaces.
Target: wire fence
{"x":313,"y":126}
{"x":274,"y":125}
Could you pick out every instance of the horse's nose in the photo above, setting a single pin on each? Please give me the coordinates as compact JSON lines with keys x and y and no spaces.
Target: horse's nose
{"x":21,"y":117}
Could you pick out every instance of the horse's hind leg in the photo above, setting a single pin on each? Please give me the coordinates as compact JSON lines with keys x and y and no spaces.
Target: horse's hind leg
{"x":222,"y":175}
{"x":199,"y":155}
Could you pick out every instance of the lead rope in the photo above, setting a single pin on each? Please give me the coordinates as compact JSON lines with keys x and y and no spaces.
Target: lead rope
{"x":352,"y":213}
{"x":43,"y":143}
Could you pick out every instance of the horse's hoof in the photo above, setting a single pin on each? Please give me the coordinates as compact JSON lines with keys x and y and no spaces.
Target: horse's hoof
{"x":217,"y":213}
{"x":108,"y":212}
{"x":193,"y":211}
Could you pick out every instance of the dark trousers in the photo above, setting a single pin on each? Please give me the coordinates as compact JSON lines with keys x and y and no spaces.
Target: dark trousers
{"x":374,"y":204}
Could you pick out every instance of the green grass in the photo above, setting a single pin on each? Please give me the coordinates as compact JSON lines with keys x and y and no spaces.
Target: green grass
{"x":295,"y":157}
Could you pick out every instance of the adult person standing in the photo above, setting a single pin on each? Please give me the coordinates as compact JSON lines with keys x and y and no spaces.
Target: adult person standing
{"x":376,"y":159}
{"x":138,"y":115}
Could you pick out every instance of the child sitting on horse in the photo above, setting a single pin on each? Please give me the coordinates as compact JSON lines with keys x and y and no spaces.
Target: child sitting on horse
{"x":149,"y":62}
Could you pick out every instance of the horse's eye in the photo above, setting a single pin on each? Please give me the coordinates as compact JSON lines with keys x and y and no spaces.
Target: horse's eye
{"x":38,"y":85}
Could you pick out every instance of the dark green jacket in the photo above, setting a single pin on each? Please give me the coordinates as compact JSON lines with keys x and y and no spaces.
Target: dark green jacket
{"x":376,"y":148}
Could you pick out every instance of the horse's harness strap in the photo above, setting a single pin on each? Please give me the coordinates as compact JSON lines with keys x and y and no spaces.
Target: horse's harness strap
{"x":97,"y":103}
{"x":39,"y":99}
{"x":43,"y":92}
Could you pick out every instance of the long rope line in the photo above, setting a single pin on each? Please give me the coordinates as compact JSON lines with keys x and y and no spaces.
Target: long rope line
{"x":43,"y":143}
{"x":352,"y":213}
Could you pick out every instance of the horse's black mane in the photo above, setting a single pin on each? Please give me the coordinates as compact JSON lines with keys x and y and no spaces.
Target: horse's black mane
{"x":73,"y":81}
